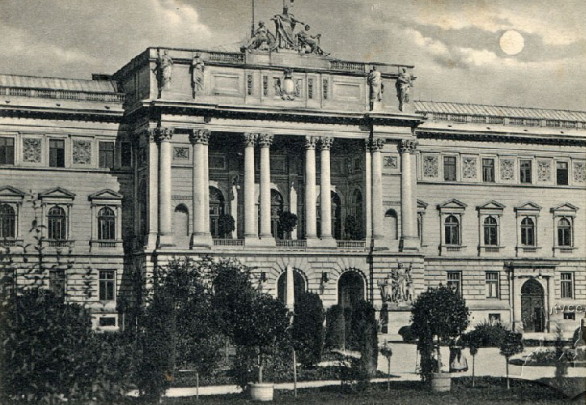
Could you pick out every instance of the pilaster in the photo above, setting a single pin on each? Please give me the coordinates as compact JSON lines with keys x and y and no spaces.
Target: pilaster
{"x":377,"y":192}
{"x":409,"y":240}
{"x":164,"y":136}
{"x":325,"y":196}
{"x":200,"y":236}
{"x":310,"y":191}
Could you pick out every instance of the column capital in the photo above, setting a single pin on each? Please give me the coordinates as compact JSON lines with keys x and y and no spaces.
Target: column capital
{"x":199,"y":136}
{"x":164,"y":134}
{"x":265,"y":140}
{"x":310,"y":142}
{"x":250,"y":138}
{"x":408,"y":146}
{"x":326,"y":142}
{"x":377,"y":144}
{"x":150,"y":134}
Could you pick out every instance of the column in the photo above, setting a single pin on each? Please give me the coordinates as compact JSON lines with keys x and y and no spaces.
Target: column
{"x":368,"y":190}
{"x":377,"y":192}
{"x":325,"y":195}
{"x":164,"y":136}
{"x":199,"y":214}
{"x":409,"y":239}
{"x":293,"y":205}
{"x":206,"y":189}
{"x":153,"y":190}
{"x":265,"y":141}
{"x":310,"y":198}
{"x":290,"y":289}
{"x":250,"y":232}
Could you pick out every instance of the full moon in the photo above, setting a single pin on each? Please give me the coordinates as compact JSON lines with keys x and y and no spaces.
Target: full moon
{"x":512,"y":42}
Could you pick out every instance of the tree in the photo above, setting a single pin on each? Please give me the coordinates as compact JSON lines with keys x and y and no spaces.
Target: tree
{"x":335,"y":328}
{"x":308,"y":330}
{"x":287,"y":222}
{"x":387,"y":352}
{"x":226,"y":225}
{"x":512,"y":344}
{"x":438,"y":314}
{"x":353,"y":228}
{"x":474,"y":343}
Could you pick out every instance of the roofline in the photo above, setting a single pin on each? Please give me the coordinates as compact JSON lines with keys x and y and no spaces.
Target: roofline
{"x":495,"y":105}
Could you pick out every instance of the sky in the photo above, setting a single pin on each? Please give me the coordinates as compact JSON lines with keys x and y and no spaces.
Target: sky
{"x":454,"y":44}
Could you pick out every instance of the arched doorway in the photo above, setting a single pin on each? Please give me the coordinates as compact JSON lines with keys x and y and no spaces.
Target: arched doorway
{"x":298,"y":285}
{"x":532,"y":306}
{"x":216,"y":211}
{"x":350,"y":289}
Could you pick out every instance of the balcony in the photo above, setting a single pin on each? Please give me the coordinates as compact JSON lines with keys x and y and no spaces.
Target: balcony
{"x":357,"y":245}
{"x":60,"y":243}
{"x":296,"y":244}
{"x":229,"y":242}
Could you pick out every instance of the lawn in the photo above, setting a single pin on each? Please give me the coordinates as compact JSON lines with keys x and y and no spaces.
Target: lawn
{"x":487,"y":391}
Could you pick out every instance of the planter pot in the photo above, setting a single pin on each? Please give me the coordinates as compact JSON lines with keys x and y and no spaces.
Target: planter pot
{"x":262,"y":392}
{"x":441,"y":382}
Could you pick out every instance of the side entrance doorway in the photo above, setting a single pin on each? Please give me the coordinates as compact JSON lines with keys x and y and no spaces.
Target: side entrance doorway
{"x":532,"y":306}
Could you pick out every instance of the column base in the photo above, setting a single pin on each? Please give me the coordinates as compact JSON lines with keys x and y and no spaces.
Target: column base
{"x":409,"y":244}
{"x":260,"y":242}
{"x":165,"y":241}
{"x":379,"y":243}
{"x":200,"y":240}
{"x":151,"y":241}
{"x":327,"y":242}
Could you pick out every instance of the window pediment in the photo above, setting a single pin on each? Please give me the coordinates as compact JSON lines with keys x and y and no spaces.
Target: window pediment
{"x":106,"y":196}
{"x":491,"y":207}
{"x":11,"y":194}
{"x":421,"y":205}
{"x":528,"y":206}
{"x":565,"y":209}
{"x":56,"y":194}
{"x":452,"y":205}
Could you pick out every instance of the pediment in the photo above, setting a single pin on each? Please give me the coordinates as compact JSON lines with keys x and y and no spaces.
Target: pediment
{"x":105,"y":194}
{"x":491,"y":205}
{"x":11,"y":192}
{"x":565,"y":207}
{"x":528,"y":206}
{"x":57,"y":193}
{"x":422,"y":204}
{"x":452,"y":204}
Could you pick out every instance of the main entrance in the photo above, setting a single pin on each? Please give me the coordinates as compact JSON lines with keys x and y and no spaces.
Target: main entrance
{"x":532,"y":306}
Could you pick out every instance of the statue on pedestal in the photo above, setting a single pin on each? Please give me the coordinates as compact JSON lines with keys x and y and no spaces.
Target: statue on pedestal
{"x":375,"y":81}
{"x":285,"y":26}
{"x":197,"y":74}
{"x":262,"y":40}
{"x":308,"y":43}
{"x":397,"y":287}
{"x":164,"y":70}
{"x":403,"y":84}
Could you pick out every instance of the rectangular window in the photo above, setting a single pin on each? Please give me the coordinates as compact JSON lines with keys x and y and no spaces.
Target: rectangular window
{"x":56,"y":153}
{"x":454,"y":282}
{"x":570,"y":316}
{"x":494,"y":318}
{"x":57,"y":283}
{"x":449,"y":168}
{"x":125,"y":154}
{"x":562,"y":173}
{"x":567,"y":285}
{"x":6,"y":151}
{"x":107,"y":321}
{"x":492,"y":284}
{"x":488,"y":170}
{"x":107,"y":155}
{"x":107,"y":285}
{"x":525,"y":171}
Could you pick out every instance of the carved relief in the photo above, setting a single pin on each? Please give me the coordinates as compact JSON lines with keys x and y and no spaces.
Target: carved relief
{"x":507,"y":169}
{"x":197,"y":75}
{"x":397,"y":287}
{"x":543,"y":170}
{"x":164,"y":71}
{"x":430,"y":166}
{"x":469,"y":167}
{"x":390,"y":162}
{"x":580,"y":172}
{"x":31,"y":152}
{"x":288,"y":88}
{"x":82,"y":152}
{"x":180,"y":153}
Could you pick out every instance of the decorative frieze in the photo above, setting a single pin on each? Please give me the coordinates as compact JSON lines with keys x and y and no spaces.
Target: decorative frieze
{"x":469,"y":169}
{"x":544,"y":170}
{"x":579,"y":170}
{"x":180,"y":153}
{"x":507,"y":169}
{"x":31,"y":150}
{"x":82,"y":152}
{"x":430,"y":166}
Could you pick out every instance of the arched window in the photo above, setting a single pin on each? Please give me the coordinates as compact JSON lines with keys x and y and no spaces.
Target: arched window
{"x":350,"y":289}
{"x":276,"y":211}
{"x":7,"y":221}
{"x":564,"y":232}
{"x":181,"y":221}
{"x":452,"y":230}
{"x":216,"y":211}
{"x":527,"y":232}
{"x":391,"y":225}
{"x":106,"y":224}
{"x":57,"y":224}
{"x":298,"y":285}
{"x":490,"y":231}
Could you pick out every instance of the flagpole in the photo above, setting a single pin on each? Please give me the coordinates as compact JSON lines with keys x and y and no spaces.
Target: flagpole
{"x":252,"y":27}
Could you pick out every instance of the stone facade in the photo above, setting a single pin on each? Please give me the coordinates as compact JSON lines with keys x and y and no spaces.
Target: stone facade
{"x":388,"y":202}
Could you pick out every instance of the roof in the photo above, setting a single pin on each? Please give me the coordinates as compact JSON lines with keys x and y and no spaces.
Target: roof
{"x":55,"y":83}
{"x":498,"y":111}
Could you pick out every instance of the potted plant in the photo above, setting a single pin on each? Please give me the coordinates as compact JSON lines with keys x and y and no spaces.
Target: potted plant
{"x":438,"y":315}
{"x":287,"y":222}
{"x":226,"y":225}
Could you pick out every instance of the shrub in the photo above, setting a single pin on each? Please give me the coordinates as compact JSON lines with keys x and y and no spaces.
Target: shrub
{"x":335,"y":328}
{"x":407,"y":334}
{"x":287,"y":221}
{"x":308,"y":330}
{"x":364,"y":327}
{"x":226,"y":225}
{"x":487,"y":334}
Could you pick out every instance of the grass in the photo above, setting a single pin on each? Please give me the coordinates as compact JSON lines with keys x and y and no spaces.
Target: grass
{"x":487,"y":391}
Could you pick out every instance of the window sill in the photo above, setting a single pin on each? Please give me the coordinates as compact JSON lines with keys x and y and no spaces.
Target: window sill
{"x":55,"y":243}
{"x":563,"y":249}
{"x":105,"y":244}
{"x":451,"y":248}
{"x":9,"y":242}
{"x":489,"y":249}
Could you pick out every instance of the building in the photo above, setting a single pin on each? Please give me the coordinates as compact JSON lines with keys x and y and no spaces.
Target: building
{"x":127,"y":171}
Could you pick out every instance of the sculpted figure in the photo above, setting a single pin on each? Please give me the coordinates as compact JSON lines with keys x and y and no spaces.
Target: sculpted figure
{"x":164,"y":70}
{"x":385,"y":287}
{"x":309,"y":43}
{"x":285,"y":26}
{"x":262,"y":40}
{"x":197,"y":74}
{"x":403,"y":85}
{"x":375,"y":81}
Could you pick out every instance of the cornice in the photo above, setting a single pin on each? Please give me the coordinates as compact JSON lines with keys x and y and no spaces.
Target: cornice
{"x":499,"y":137}
{"x":62,"y":114}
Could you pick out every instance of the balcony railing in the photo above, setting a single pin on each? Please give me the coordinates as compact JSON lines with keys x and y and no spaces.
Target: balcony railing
{"x":228,"y":242}
{"x":351,"y":244}
{"x":62,"y":94}
{"x":58,"y":243}
{"x":291,"y":244}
